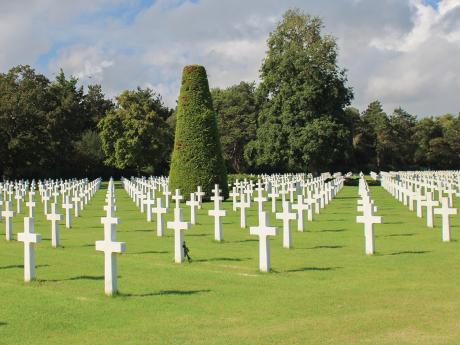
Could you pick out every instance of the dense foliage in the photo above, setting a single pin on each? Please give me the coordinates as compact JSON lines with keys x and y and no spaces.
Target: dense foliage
{"x":237,"y":108}
{"x":301,"y":123}
{"x":297,"y":119}
{"x":197,"y":156}
{"x":42,"y":124}
{"x":135,"y":134}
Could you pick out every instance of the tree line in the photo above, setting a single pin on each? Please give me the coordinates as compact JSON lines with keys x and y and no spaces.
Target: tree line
{"x":298,"y":118}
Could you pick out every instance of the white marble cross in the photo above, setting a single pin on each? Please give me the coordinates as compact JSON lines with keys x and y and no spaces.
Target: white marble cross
{"x":292,"y":189}
{"x":30,"y":238}
{"x":68,"y":205}
{"x":141,"y":198}
{"x":110,"y":207}
{"x":55,"y":218}
{"x":82,"y":199}
{"x":317,"y":197}
{"x":159,"y":210}
{"x":445,"y":211}
{"x":77,"y":201}
{"x":286,"y":216}
{"x":243,"y":205}
{"x":177,"y":198}
{"x":429,"y":203}
{"x":149,"y":202}
{"x":217,"y":213}
{"x":233,"y":194}
{"x":369,"y":219}
{"x":56,"y":196}
{"x":199,"y":194}
{"x":309,"y":201}
{"x":260,"y":199}
{"x":45,"y":200}
{"x":8,"y":214}
{"x":110,"y":247}
{"x":194,"y":204}
{"x":18,"y":198}
{"x":178,"y":226}
{"x":419,"y":198}
{"x":450,"y":194}
{"x":412,"y":196}
{"x":300,"y":207}
{"x":273,"y":195}
{"x":166,"y":194}
{"x":263,"y":230}
{"x":31,"y":205}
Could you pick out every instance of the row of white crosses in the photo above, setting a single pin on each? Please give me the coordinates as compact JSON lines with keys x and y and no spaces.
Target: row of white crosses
{"x":310,"y":195}
{"x":144,"y":194}
{"x":317,"y":195}
{"x":28,"y":236}
{"x":137,"y":187}
{"x":46,"y":189}
{"x":422,"y":188}
{"x":109,"y":244}
{"x":305,"y":193}
{"x":264,"y":230}
{"x":367,"y":207}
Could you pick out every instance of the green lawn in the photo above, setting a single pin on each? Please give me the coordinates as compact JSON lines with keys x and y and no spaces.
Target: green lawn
{"x":323,"y":291}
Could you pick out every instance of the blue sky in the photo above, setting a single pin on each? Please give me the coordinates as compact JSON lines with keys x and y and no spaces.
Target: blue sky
{"x":432,"y":3}
{"x":402,"y":52}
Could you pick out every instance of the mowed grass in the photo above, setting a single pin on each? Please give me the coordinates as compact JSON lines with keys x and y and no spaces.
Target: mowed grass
{"x":323,"y":291}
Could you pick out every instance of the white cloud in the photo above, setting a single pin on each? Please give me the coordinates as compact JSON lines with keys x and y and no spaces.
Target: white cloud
{"x":82,"y":62}
{"x":422,"y":73}
{"x":402,"y":52}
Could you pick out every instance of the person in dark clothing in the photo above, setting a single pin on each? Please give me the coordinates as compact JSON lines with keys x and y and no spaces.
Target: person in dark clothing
{"x":186,"y":252}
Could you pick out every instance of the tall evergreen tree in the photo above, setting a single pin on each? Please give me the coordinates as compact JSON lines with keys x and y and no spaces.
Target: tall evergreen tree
{"x":197,"y":156}
{"x":96,"y":105}
{"x":403,"y":146}
{"x":377,"y":125}
{"x":303,"y":93}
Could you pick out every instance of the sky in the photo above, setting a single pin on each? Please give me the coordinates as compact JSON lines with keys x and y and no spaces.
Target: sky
{"x":401,"y":52}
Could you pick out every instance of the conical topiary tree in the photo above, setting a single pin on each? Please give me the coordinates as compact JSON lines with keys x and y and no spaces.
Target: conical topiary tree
{"x":197,"y":156}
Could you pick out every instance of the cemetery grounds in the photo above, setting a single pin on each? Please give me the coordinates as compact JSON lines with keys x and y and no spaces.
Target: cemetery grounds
{"x":324,"y":290}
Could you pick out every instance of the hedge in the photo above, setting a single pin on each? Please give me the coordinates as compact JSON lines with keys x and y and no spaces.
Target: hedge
{"x":197,"y":155}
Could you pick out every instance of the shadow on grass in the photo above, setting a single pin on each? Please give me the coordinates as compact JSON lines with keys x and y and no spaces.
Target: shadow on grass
{"x":325,"y":247}
{"x":19,"y":266}
{"x":222,"y":259}
{"x":198,"y":235}
{"x":306,"y":269}
{"x":150,"y":252}
{"x":410,"y":252}
{"x":393,"y":223}
{"x":88,"y":278}
{"x":333,"y":230}
{"x":400,"y":235}
{"x":164,"y":293}
{"x":248,"y":240}
{"x":2,"y":323}
{"x":83,"y":277}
